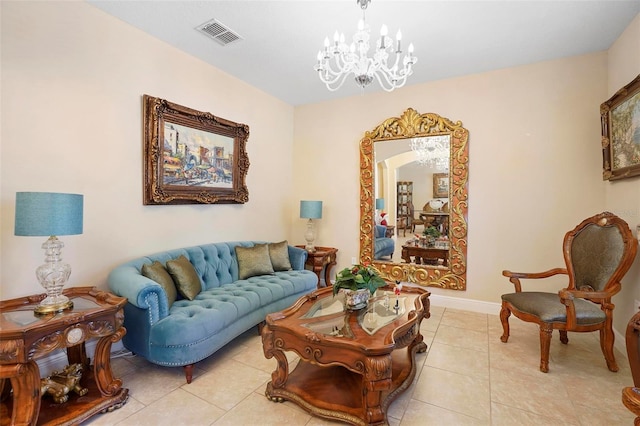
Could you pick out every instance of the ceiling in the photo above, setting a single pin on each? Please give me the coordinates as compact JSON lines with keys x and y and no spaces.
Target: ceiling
{"x":280,"y":39}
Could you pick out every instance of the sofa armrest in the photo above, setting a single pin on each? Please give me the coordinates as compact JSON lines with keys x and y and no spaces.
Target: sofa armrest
{"x":297,"y":257}
{"x":140,"y":291}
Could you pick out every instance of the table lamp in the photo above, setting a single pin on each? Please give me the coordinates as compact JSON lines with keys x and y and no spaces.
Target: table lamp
{"x":50,"y":214}
{"x":379,"y":208}
{"x":310,"y":210}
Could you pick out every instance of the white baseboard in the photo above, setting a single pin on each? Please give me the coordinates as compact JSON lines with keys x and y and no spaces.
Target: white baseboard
{"x":465,"y":304}
{"x":493,"y":308}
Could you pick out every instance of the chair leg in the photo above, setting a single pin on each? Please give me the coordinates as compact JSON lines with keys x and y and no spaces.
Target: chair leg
{"x":505,"y":313}
{"x":606,"y":343}
{"x":563,"y":337}
{"x":545,"y":342}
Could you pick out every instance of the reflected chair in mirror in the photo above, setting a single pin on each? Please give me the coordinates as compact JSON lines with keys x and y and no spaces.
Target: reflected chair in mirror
{"x":631,"y":395}
{"x":384,"y":246}
{"x":415,"y":220}
{"x":597,"y":254}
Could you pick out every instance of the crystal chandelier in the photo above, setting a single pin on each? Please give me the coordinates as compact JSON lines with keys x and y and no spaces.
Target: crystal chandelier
{"x":432,"y":151}
{"x":338,"y":60}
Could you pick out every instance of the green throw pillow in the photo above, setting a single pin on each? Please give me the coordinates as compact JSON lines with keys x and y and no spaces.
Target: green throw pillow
{"x":185,"y":277}
{"x":156,"y":272}
{"x":279,"y":253}
{"x":253,"y":261}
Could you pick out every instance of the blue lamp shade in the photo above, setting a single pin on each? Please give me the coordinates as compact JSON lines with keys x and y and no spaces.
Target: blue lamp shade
{"x":379,"y":203}
{"x":311,"y":209}
{"x":48,"y":213}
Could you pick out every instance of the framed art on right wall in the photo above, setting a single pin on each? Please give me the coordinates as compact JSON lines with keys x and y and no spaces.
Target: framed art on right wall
{"x":440,"y":185}
{"x":620,"y":123}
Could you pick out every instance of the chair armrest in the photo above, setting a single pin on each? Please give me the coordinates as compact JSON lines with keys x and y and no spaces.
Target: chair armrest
{"x":601,"y":297}
{"x":140,"y":291}
{"x":515,"y":277}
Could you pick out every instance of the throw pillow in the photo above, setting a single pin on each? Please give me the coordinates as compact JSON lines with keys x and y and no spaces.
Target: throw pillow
{"x":185,"y":277}
{"x":156,"y":272}
{"x":253,"y":261}
{"x":279,"y":253}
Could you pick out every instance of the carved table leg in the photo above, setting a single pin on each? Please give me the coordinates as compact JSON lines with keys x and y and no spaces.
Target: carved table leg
{"x":107,"y":385}
{"x":281,"y":373}
{"x":377,"y":377}
{"x":25,"y":380}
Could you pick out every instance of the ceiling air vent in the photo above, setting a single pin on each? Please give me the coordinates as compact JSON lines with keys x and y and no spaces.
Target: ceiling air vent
{"x":219,"y":32}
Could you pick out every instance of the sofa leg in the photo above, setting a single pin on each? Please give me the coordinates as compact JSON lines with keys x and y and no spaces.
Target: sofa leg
{"x":188,"y":372}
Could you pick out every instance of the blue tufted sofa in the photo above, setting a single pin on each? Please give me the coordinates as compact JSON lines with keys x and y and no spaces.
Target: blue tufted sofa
{"x":384,"y":247}
{"x":191,"y":330}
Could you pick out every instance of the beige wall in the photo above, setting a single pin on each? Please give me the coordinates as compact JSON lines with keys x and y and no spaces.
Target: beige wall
{"x":623,"y":197}
{"x":72,"y":82}
{"x":535,"y":162}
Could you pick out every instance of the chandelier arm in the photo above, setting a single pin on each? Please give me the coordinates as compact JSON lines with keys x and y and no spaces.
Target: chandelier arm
{"x":344,"y":78}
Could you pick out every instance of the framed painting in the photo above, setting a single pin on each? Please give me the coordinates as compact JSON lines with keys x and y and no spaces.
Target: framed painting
{"x":440,"y":185}
{"x":192,"y":157}
{"x":620,"y":122}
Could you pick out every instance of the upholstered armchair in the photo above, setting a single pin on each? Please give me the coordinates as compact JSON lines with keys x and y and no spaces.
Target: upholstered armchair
{"x":597,"y":253}
{"x":383,"y":246}
{"x":631,"y":395}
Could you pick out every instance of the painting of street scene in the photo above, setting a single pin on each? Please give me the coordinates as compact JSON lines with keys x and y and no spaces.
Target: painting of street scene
{"x":625,"y":126}
{"x":194,"y":157}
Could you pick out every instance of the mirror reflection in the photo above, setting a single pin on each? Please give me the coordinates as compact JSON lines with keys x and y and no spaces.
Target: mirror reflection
{"x":413,"y":191}
{"x":412,"y":200}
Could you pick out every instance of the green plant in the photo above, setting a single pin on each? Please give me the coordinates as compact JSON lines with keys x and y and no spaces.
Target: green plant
{"x":357,"y":277}
{"x":431,"y":231}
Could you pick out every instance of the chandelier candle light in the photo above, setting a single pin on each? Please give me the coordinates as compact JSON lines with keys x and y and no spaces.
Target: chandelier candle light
{"x":338,"y":60}
{"x":432,"y":151}
{"x":50,"y":214}
{"x":310,"y":210}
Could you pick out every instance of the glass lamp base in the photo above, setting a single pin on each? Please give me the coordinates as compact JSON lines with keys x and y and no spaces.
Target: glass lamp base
{"x":44,"y":309}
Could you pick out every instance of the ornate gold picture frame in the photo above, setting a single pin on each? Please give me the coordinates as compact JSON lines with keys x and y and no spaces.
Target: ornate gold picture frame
{"x":192,"y":157}
{"x":620,"y":123}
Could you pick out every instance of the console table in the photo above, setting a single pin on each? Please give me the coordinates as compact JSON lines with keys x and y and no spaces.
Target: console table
{"x":25,"y":337}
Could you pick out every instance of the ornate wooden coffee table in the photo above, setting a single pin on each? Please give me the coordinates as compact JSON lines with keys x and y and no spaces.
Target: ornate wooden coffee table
{"x":352,"y":364}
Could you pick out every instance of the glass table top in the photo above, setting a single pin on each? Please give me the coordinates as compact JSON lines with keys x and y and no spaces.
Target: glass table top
{"x":328,"y":315}
{"x":24,"y":315}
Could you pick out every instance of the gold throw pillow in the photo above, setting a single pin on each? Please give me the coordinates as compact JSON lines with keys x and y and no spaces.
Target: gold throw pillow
{"x":253,"y":261}
{"x":185,"y":277}
{"x":156,"y":272}
{"x":279,"y":253}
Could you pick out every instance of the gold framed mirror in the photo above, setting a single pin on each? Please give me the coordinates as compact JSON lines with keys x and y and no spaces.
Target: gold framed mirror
{"x":450,"y":272}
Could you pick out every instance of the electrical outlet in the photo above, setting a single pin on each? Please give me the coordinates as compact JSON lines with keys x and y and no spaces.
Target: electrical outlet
{"x":353,"y":261}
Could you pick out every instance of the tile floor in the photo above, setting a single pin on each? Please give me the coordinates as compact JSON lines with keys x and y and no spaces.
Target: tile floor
{"x":467,"y":377}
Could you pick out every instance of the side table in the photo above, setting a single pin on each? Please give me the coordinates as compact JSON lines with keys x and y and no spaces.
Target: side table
{"x":25,"y":337}
{"x":390,"y":232}
{"x":324,"y":257}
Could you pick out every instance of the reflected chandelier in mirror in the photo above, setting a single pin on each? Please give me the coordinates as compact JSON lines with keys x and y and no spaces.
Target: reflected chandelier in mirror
{"x":453,"y":274}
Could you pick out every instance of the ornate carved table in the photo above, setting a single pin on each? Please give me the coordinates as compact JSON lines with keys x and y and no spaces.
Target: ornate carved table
{"x":421,"y":255}
{"x":353,"y":364}
{"x":323,"y":257}
{"x":25,"y":337}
